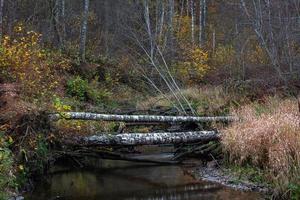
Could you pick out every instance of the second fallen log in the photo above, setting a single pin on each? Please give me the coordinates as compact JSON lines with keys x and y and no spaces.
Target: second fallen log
{"x":134,"y":139}
{"x":137,"y":118}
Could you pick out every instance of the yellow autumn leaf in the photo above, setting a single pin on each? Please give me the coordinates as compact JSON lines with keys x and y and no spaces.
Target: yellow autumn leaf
{"x":21,"y":167}
{"x":10,"y":140}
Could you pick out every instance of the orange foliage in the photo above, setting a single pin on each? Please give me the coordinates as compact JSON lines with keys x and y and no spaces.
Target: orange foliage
{"x":257,"y":55}
{"x":194,"y":66}
{"x":184,"y":32}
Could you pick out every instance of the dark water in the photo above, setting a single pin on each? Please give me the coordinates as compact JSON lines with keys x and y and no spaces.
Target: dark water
{"x":132,"y":182}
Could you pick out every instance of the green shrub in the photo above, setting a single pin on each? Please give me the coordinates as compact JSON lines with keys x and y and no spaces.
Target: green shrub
{"x":98,"y":96}
{"x":97,"y":93}
{"x":295,"y":191}
{"x":84,"y":91}
{"x":7,"y":180}
{"x":77,"y":87}
{"x":42,"y":154}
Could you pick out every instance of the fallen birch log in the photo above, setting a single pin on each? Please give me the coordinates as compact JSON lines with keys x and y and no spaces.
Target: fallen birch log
{"x":134,"y":139}
{"x":137,"y":118}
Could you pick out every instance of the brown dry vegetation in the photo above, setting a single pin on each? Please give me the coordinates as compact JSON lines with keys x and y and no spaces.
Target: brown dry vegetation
{"x":267,"y":137}
{"x":206,"y":100}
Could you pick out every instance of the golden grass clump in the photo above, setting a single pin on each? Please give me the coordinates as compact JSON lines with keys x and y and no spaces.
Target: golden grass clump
{"x":268,"y":136}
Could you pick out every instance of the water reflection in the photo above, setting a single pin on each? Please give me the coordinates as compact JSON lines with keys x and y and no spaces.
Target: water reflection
{"x":132,"y":183}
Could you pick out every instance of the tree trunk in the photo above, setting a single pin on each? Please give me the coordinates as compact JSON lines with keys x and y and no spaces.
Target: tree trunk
{"x":192,"y":6}
{"x":1,"y":20}
{"x":83,"y":33}
{"x":55,"y":10}
{"x":187,"y":7}
{"x":63,"y":23}
{"x":134,"y":139}
{"x":148,"y":25}
{"x":171,"y":28}
{"x":11,"y":15}
{"x":106,"y":26}
{"x":137,"y":118}
{"x":202,"y":21}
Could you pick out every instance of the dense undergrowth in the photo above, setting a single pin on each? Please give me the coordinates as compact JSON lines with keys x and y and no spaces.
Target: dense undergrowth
{"x":7,"y":178}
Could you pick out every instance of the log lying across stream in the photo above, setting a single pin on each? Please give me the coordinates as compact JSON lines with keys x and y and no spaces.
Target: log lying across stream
{"x":134,"y":139}
{"x":137,"y":118}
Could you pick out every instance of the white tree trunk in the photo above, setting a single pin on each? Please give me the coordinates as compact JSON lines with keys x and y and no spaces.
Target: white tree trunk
{"x":134,"y":139}
{"x":137,"y":118}
{"x":192,"y":6}
{"x":202,"y":21}
{"x":162,"y":19}
{"x":171,"y":28}
{"x":83,"y":32}
{"x":148,"y":25}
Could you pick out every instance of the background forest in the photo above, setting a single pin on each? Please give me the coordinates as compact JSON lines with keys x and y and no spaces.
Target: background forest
{"x":198,"y":57}
{"x":251,"y":44}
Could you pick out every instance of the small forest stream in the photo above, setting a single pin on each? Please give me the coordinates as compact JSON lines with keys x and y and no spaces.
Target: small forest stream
{"x":114,"y":180}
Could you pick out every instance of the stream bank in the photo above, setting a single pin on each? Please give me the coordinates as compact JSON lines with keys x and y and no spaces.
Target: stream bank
{"x":212,"y":172}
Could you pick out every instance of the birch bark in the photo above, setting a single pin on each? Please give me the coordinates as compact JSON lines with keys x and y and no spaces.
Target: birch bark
{"x":83,"y":33}
{"x":202,"y":21}
{"x":134,"y":139}
{"x":192,"y":6}
{"x":137,"y":118}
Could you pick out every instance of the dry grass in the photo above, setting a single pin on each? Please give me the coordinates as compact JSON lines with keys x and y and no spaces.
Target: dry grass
{"x":208,"y":100}
{"x":268,"y":136}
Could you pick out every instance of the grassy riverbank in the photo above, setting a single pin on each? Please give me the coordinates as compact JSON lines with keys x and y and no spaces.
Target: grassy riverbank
{"x":263,"y":146}
{"x":268,"y":138}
